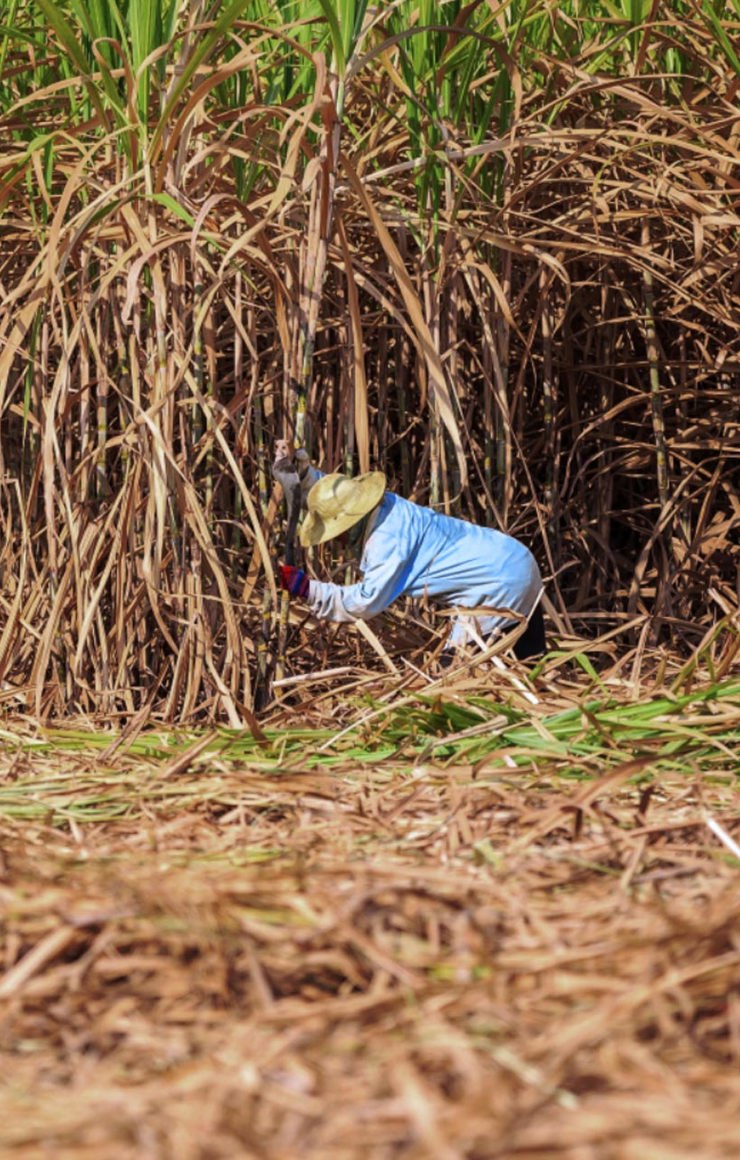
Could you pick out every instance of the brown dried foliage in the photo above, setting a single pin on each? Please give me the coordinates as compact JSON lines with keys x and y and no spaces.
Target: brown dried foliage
{"x":382,"y":962}
{"x":568,"y":313}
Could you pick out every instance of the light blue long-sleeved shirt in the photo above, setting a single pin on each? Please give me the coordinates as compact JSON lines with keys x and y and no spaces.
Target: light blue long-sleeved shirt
{"x":414,"y":551}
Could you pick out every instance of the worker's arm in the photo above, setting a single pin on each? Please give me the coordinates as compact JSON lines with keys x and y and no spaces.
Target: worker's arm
{"x":386,"y":572}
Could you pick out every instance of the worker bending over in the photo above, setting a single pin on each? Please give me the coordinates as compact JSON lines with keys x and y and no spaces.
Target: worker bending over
{"x":410,"y":550}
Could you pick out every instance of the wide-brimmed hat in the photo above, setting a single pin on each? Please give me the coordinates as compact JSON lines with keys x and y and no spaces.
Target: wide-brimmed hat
{"x":336,"y":502}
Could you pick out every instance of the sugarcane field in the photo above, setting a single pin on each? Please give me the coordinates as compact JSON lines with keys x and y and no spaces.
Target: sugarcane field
{"x":370,"y":580}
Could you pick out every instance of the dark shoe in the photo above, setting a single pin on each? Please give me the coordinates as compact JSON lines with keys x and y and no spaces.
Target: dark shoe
{"x":532,"y":641}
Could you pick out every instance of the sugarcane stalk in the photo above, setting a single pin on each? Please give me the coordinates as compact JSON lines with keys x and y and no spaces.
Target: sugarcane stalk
{"x":286,"y":475}
{"x":197,"y":417}
{"x":548,"y":410}
{"x":84,"y":373}
{"x":435,"y":427}
{"x":123,"y":392}
{"x":501,"y":416}
{"x":656,"y":398}
{"x":263,"y":637}
{"x":453,"y":494}
{"x":209,"y":395}
{"x":489,"y":437}
{"x":313,"y":254}
{"x":381,"y":434}
{"x":33,"y":402}
{"x":403,"y":372}
{"x":403,"y":375}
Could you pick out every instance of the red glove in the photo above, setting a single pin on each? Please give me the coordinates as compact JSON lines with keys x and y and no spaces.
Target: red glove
{"x":293,"y":580}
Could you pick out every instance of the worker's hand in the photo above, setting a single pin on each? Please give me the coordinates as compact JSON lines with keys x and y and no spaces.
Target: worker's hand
{"x":283,"y":450}
{"x":293,"y":580}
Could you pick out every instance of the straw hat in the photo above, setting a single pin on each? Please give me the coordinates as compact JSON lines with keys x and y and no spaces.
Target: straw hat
{"x":336,"y":502}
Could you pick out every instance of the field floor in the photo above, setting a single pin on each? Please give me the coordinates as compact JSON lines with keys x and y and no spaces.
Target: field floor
{"x":464,"y":921}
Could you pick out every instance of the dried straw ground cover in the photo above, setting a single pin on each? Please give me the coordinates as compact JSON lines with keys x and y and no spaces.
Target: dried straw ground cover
{"x":469,"y":920}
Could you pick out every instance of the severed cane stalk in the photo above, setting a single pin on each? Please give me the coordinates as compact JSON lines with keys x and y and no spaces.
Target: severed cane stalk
{"x":286,"y":475}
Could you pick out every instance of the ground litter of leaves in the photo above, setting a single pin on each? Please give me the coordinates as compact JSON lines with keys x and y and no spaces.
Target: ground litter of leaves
{"x":456,"y":931}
